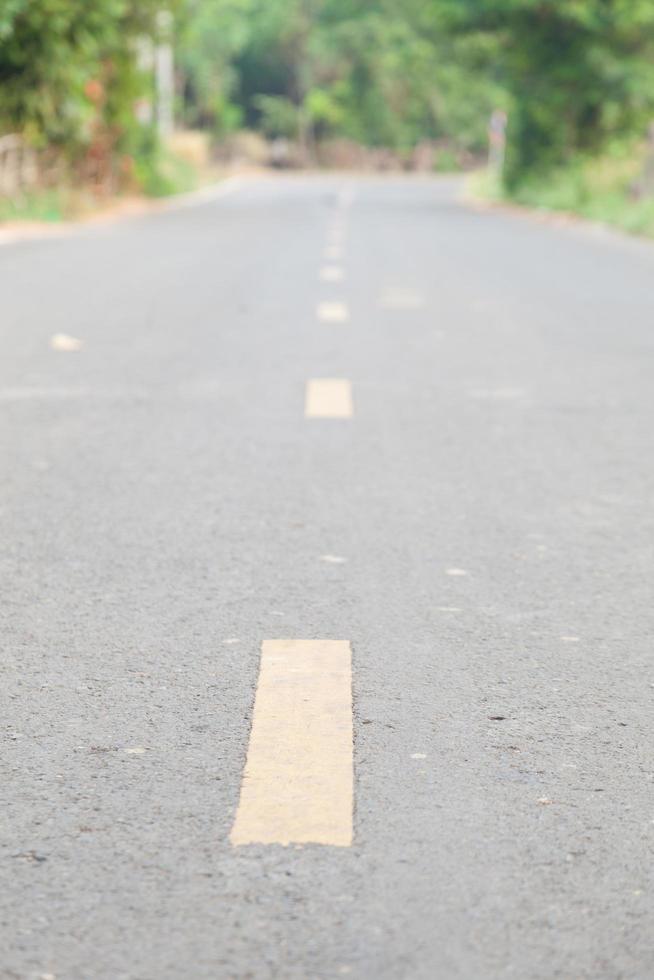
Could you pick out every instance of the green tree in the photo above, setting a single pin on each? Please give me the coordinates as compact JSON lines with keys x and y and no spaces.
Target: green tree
{"x":356,"y":68}
{"x":210,"y":36}
{"x":579,"y":73}
{"x":69,"y":66}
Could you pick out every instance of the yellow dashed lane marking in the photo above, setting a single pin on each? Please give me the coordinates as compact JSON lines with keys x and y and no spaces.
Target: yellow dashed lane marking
{"x":298,"y":782}
{"x":333,"y":312}
{"x":329,"y":398}
{"x":64,"y":342}
{"x":331,"y":273}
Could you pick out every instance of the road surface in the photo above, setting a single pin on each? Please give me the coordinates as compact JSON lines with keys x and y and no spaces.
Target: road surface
{"x":327,"y":409}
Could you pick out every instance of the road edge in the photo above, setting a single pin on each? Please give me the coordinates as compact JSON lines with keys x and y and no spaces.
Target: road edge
{"x":123,"y":210}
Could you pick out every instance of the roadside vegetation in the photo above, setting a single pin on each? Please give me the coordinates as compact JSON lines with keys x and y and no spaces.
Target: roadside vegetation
{"x":369,"y":83}
{"x":609,"y":189}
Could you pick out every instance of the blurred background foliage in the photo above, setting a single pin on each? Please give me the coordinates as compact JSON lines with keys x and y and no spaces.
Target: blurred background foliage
{"x":67,"y":66}
{"x":311,"y":69}
{"x":576,"y":78}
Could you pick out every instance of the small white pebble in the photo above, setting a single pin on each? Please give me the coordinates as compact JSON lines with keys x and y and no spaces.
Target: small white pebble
{"x":231,"y":641}
{"x":137,"y":750}
{"x":456,"y":571}
{"x":544,"y":800}
{"x":333,"y":559}
{"x":570,"y":639}
{"x":418,"y":755}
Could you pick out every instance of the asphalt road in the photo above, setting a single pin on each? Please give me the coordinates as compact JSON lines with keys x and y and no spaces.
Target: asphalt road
{"x":479,"y":530}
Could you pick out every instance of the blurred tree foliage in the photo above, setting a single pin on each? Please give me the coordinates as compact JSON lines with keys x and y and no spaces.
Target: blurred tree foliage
{"x":317,"y":68}
{"x":573,"y":74}
{"x":69,"y":75}
{"x":579,"y":74}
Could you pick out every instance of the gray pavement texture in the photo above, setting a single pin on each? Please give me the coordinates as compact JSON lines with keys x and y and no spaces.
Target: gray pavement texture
{"x":161,"y":493}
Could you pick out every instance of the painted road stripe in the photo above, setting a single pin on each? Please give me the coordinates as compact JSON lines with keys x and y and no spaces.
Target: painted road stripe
{"x":333,"y":312}
{"x":337,"y":233}
{"x":329,"y":398}
{"x":298,"y":782}
{"x":331,"y":273}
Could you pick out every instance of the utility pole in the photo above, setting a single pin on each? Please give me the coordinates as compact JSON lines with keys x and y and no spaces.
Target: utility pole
{"x":644,"y":186}
{"x":497,"y":143}
{"x":164,"y":75}
{"x":144,"y":108}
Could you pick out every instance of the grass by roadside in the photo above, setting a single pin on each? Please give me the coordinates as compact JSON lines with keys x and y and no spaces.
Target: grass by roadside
{"x":163,"y":175}
{"x":597,"y":189}
{"x":46,"y":206}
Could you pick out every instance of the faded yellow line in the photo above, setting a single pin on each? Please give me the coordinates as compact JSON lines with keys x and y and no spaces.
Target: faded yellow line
{"x":298,"y":782}
{"x":333,"y":312}
{"x":331,"y":273}
{"x":328,"y":398}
